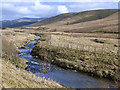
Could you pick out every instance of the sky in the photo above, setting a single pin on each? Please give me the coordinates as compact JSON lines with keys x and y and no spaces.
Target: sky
{"x":14,"y":9}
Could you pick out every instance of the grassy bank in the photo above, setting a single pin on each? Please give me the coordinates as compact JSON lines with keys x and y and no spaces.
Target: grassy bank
{"x":96,"y":63}
{"x":14,"y":77}
{"x":13,"y":67}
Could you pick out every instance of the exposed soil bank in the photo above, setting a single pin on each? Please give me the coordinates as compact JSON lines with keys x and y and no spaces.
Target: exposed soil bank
{"x":94,"y":63}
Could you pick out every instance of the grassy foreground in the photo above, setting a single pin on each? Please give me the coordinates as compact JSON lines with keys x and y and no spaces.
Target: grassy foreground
{"x":96,"y":63}
{"x":13,"y":73}
{"x":13,"y":77}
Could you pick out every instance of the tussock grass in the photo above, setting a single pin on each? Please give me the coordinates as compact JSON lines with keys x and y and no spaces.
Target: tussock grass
{"x":85,"y":43}
{"x":13,"y":67}
{"x":96,"y":63}
{"x":8,"y":47}
{"x":13,"y":77}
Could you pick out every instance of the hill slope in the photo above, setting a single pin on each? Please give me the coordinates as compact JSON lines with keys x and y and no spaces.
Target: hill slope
{"x":75,"y":18}
{"x":88,"y":21}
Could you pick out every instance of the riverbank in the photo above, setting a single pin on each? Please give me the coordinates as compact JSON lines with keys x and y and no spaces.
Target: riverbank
{"x":13,"y":67}
{"x":95,"y":62}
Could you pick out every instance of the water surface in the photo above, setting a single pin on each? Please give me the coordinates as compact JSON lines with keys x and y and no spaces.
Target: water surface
{"x":68,"y":78}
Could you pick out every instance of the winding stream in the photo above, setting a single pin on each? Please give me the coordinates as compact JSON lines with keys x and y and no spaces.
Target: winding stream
{"x":68,"y":78}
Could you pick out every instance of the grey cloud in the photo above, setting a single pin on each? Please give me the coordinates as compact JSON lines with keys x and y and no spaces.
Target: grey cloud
{"x":14,"y":10}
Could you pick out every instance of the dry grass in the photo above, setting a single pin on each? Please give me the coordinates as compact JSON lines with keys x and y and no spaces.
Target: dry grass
{"x":85,"y":43}
{"x":13,"y":77}
{"x":11,"y":42}
{"x":95,"y":35}
{"x":8,"y":47}
{"x":82,"y":54}
{"x":12,"y":73}
{"x":108,"y":24}
{"x":20,"y":39}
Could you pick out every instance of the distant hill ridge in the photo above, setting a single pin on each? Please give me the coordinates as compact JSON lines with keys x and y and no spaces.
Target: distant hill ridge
{"x":19,"y":22}
{"x":74,"y":18}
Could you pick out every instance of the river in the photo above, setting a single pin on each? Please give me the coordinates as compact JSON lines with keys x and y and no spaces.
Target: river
{"x":69,"y":78}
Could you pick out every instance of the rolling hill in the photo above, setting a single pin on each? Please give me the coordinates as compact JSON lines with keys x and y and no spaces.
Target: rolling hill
{"x":87,"y":21}
{"x":19,"y":22}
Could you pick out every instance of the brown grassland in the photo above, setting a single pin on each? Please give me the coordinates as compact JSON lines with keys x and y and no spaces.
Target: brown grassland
{"x":87,"y":42}
{"x":95,"y":56}
{"x":13,"y":73}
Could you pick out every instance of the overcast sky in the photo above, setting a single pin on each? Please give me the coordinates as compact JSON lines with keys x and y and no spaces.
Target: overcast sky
{"x":14,"y":9}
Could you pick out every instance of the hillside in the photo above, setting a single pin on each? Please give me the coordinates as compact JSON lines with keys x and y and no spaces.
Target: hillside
{"x":87,"y":21}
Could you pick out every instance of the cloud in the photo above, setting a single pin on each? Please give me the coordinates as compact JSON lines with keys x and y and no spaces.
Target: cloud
{"x":10,"y":11}
{"x":39,"y":6}
{"x":82,"y":6}
{"x":18,"y":10}
{"x":62,"y":9}
{"x":61,"y":0}
{"x":43,"y":8}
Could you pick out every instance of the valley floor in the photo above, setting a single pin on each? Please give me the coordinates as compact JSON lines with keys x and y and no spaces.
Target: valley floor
{"x":95,"y":56}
